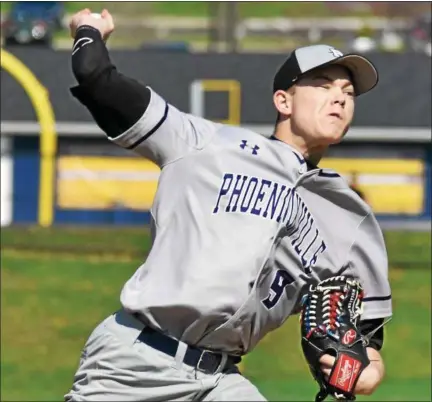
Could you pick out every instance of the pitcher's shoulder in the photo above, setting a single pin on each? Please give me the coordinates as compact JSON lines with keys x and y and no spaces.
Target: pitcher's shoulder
{"x":235,"y":133}
{"x":335,"y":187}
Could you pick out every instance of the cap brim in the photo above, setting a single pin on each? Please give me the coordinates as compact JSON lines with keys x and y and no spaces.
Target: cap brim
{"x":363,"y":71}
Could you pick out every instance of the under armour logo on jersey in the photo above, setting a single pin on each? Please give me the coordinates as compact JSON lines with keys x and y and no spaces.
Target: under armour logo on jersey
{"x":255,"y":148}
{"x":335,"y":52}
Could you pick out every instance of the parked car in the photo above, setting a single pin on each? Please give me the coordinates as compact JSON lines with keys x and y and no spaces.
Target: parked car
{"x":32,"y":22}
{"x":419,"y":36}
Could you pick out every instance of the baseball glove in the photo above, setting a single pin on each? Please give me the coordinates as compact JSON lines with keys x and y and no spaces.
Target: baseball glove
{"x":329,"y":316}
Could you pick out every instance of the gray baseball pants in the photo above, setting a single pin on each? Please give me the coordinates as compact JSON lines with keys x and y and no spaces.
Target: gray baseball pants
{"x":116,"y":366}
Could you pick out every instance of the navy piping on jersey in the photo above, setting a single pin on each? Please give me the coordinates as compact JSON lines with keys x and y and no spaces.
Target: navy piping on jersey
{"x":153,"y":130}
{"x":325,"y":174}
{"x":377,"y":298}
{"x":301,"y":160}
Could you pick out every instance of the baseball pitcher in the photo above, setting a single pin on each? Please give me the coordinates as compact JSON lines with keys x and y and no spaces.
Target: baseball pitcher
{"x":246,"y":232}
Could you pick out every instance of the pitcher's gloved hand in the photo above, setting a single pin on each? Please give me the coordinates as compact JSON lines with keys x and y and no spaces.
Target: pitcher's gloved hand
{"x":329,"y":317}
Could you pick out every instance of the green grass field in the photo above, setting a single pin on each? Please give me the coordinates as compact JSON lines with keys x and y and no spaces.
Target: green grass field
{"x":52,"y":297}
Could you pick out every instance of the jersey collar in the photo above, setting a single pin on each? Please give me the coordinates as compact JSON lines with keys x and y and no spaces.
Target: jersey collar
{"x":298,"y":155}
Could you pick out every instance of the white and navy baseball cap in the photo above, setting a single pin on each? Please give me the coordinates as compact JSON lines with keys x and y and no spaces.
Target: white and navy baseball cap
{"x":308,"y":58}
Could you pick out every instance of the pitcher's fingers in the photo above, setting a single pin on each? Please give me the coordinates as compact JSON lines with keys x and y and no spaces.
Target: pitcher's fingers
{"x":326,"y":371}
{"x":327,"y":360}
{"x":106,"y":15}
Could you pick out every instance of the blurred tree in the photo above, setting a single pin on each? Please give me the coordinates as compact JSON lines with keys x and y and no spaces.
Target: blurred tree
{"x":349,"y":7}
{"x":389,"y":9}
{"x":399,"y":9}
{"x":224,"y":17}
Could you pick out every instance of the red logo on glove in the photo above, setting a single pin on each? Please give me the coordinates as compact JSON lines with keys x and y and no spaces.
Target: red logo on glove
{"x":349,"y":337}
{"x":345,"y":373}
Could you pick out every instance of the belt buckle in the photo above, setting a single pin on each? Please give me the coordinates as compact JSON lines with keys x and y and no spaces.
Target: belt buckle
{"x":216,"y":359}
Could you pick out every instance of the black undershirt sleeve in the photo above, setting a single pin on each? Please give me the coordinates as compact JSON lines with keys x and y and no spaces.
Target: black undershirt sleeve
{"x":377,"y":339}
{"x":115,"y":101}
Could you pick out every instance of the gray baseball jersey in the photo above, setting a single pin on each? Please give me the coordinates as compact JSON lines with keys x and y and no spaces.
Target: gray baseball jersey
{"x":240,"y":229}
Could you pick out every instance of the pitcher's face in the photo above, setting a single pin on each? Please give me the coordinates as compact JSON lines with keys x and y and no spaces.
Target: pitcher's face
{"x":321,"y":105}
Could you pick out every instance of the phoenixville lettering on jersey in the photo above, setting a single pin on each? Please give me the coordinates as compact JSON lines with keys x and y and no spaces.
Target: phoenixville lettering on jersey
{"x":272,"y":200}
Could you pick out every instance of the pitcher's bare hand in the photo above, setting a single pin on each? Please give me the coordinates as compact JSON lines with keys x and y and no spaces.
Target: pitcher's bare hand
{"x":104,"y":24}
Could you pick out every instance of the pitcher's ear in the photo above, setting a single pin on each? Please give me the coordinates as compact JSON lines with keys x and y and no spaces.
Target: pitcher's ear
{"x":283,"y":102}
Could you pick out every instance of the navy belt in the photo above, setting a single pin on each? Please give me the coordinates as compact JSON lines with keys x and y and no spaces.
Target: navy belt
{"x":204,"y":360}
